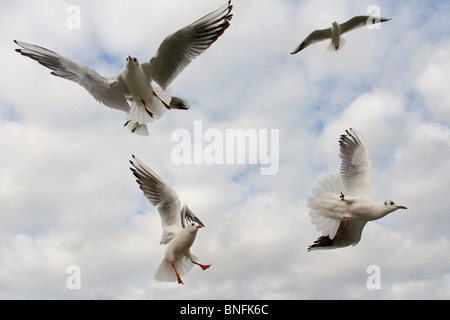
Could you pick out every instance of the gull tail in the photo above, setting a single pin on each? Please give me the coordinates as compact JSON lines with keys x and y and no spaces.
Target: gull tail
{"x":165,"y":272}
{"x":332,"y":47}
{"x":324,"y":203}
{"x":140,"y":114}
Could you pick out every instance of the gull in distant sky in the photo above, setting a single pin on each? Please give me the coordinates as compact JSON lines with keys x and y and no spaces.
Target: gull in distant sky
{"x":342,"y":205}
{"x":179,"y":226}
{"x":334,"y":33}
{"x":134,"y":81}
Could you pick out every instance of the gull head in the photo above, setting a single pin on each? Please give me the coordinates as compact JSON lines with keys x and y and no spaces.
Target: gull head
{"x":392,"y":206}
{"x":131,"y":61}
{"x":193,"y":226}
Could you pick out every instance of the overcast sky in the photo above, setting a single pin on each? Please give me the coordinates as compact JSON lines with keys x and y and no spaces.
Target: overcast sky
{"x":67,"y":196}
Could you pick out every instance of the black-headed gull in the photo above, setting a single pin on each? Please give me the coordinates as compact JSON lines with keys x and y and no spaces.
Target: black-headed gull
{"x":180,"y":226}
{"x":334,"y":33}
{"x":134,"y":81}
{"x":342,"y":204}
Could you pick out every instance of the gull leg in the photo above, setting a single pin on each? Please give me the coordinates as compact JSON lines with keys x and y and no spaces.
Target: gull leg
{"x":165,"y":104}
{"x":146,"y":110}
{"x":342,"y":197}
{"x":346,"y":222}
{"x":176,"y":272}
{"x":204,"y":267}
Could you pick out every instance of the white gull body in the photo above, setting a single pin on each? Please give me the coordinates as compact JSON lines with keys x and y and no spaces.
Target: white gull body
{"x":179,"y":226}
{"x":342,"y":204}
{"x":134,"y":81}
{"x":334,"y":33}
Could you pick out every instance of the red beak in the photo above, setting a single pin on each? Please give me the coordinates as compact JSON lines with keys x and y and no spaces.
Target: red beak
{"x":198,"y":227}
{"x":401,"y":207}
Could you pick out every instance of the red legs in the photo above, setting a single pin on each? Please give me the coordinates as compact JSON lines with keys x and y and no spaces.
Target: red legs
{"x":204,"y":267}
{"x":146,"y":110}
{"x":176,"y":272}
{"x":345,"y":221}
{"x":345,"y":218}
{"x":165,"y":104}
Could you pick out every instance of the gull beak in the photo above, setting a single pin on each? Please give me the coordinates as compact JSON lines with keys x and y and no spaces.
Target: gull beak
{"x":129,"y":58}
{"x":401,"y":207}
{"x":198,"y":227}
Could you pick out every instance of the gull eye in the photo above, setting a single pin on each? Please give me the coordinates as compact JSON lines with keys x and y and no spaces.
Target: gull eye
{"x":134,"y":59}
{"x":392,"y":203}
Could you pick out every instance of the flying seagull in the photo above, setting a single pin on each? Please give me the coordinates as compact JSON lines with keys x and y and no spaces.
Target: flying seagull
{"x":334,"y":33}
{"x":133,"y":84}
{"x":342,"y":204}
{"x":179,"y":226}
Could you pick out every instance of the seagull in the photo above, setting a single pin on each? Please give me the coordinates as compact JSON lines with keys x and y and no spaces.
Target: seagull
{"x":334,"y":33}
{"x":179,"y":226}
{"x":133,"y":84}
{"x":342,"y":204}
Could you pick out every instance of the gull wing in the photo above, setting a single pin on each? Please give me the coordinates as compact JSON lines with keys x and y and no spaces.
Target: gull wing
{"x":179,"y":48}
{"x":346,"y":235}
{"x":315,"y":36}
{"x":355,"y":164}
{"x":161,"y":196}
{"x":360,"y":21}
{"x":188,"y":216}
{"x":109,"y":91}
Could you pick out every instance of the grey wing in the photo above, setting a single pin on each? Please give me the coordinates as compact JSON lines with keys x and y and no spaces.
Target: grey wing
{"x":346,"y":235}
{"x":360,"y":21}
{"x":180,"y":104}
{"x":315,"y":36}
{"x":355,"y":163}
{"x":187,"y":216}
{"x":161,"y":196}
{"x":109,"y":91}
{"x":179,"y":48}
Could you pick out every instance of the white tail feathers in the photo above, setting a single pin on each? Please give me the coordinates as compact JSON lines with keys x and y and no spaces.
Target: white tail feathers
{"x":332,"y":47}
{"x":165,"y":272}
{"x":141,"y":114}
{"x":323,"y":203}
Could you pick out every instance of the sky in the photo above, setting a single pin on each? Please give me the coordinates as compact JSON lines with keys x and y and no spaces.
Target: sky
{"x":72,"y":213}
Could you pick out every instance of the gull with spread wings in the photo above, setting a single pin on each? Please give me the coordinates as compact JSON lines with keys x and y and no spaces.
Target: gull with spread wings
{"x":342,"y":205}
{"x":180,"y":225}
{"x":334,"y":33}
{"x":133,"y":84}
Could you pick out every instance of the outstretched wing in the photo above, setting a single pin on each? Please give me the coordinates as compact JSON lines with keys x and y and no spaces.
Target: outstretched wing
{"x":161,"y":196}
{"x":109,"y":91}
{"x":315,"y":36}
{"x":360,"y":21}
{"x":355,"y":164}
{"x":179,"y":48}
{"x":188,"y":216}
